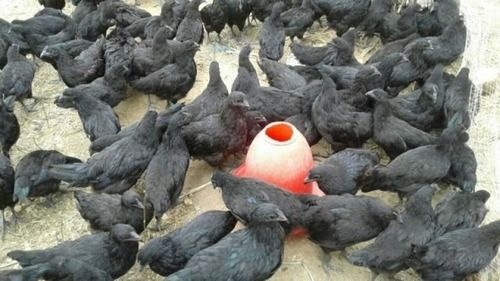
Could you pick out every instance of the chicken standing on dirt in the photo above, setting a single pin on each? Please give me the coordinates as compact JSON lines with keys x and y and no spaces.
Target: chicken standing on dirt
{"x":113,"y":252}
{"x":103,"y":211}
{"x":339,"y":173}
{"x":17,"y":76}
{"x":83,"y":69}
{"x":6,"y":191}
{"x":32,"y":178}
{"x":460,"y":210}
{"x":393,"y":247}
{"x":110,"y":88}
{"x":118,"y":167}
{"x":9,"y":126}
{"x":272,"y":34}
{"x":241,"y":195}
{"x":165,"y":174}
{"x":173,"y":81}
{"x":217,"y":136}
{"x":191,"y":26}
{"x":97,"y":117}
{"x":250,"y":254}
{"x":170,"y":253}
{"x":457,"y":254}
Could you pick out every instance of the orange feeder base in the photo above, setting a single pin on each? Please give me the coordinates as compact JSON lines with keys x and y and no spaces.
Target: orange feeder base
{"x":280,"y":155}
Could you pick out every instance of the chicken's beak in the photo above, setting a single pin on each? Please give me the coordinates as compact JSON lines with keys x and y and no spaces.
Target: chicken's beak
{"x":371,"y":94}
{"x":282,"y":218}
{"x":134,"y":237}
{"x":138,"y":204}
{"x":44,"y":54}
{"x":309,"y":180}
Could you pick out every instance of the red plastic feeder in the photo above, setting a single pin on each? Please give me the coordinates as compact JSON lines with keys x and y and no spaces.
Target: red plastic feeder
{"x":280,"y":155}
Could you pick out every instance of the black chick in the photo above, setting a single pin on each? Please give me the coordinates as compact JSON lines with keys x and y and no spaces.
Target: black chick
{"x":256,"y":121}
{"x":297,"y":20}
{"x":392,"y":248}
{"x":457,"y":98}
{"x":463,"y":168}
{"x":97,"y":117}
{"x":30,"y":273}
{"x":17,"y":75}
{"x":120,"y":13}
{"x":215,"y":16}
{"x":272,"y":34}
{"x":146,"y":28}
{"x":303,"y":121}
{"x":460,"y":210}
{"x":161,"y":123}
{"x":191,"y":26}
{"x":261,"y":9}
{"x":72,"y":269}
{"x":273,"y":103}
{"x":56,"y":4}
{"x":338,"y":52}
{"x":92,"y":26}
{"x":147,"y":60}
{"x":6,"y":190}
{"x":38,"y":42}
{"x":113,"y":252}
{"x":9,"y":126}
{"x":421,"y":165}
{"x":457,"y":254}
{"x":339,"y":173}
{"x":32,"y":178}
{"x":212,"y":99}
{"x":373,"y":21}
{"x":239,"y":83}
{"x":44,"y":25}
{"x":180,"y":10}
{"x":396,"y":46}
{"x":170,"y":253}
{"x":242,"y":195}
{"x":103,"y":211}
{"x":165,"y":174}
{"x":82,"y":9}
{"x":338,"y":122}
{"x":412,"y":68}
{"x":344,"y":14}
{"x":237,"y":13}
{"x":428,"y":23}
{"x":448,"y":46}
{"x":394,"y":135}
{"x":110,"y":89}
{"x":118,"y":166}
{"x":118,"y":50}
{"x":281,"y":76}
{"x":397,"y":26}
{"x":367,"y":78}
{"x":423,"y":107}
{"x":336,"y":222}
{"x":218,"y":136}
{"x":250,"y":254}
{"x":173,"y":81}
{"x":83,"y":69}
{"x":10,"y":37}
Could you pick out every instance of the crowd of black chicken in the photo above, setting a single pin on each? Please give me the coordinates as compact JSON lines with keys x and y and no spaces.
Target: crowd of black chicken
{"x":104,"y":47}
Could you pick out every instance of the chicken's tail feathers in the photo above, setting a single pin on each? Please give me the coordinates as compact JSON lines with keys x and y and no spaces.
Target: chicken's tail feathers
{"x":24,"y":258}
{"x":75,"y":173}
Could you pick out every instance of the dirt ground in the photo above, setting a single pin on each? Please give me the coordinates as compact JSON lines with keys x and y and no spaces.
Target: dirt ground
{"x":51,"y":127}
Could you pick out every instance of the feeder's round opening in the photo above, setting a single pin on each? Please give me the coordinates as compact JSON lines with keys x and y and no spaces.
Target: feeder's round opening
{"x":280,"y":132}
